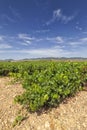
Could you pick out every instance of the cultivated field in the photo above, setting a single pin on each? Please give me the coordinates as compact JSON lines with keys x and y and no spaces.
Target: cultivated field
{"x":47,"y":95}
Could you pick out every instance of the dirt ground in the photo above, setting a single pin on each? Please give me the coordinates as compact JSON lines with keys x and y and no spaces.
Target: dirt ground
{"x":71,"y":115}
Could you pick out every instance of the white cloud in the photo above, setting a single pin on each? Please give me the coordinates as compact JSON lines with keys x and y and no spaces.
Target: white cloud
{"x":79,"y":28}
{"x":1,"y":38}
{"x":24,"y":43}
{"x":78,"y":42}
{"x":42,"y":31}
{"x":36,"y":53}
{"x":75,"y":44}
{"x":83,"y":39}
{"x":26,"y":38}
{"x":59,"y":16}
{"x":63,"y":47}
{"x":84,"y":32}
{"x":5,"y":46}
{"x":57,"y":39}
{"x":29,"y":42}
{"x":38,"y":39}
{"x":55,"y":51}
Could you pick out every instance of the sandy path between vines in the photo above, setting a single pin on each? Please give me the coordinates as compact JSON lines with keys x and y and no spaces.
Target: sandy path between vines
{"x":68,"y":116}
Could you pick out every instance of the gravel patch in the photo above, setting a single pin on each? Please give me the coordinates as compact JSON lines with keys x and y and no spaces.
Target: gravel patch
{"x":69,"y":115}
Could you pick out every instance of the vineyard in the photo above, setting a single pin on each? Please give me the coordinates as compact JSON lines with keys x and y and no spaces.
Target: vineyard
{"x":46,"y":83}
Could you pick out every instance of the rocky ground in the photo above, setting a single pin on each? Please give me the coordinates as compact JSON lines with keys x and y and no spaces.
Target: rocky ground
{"x":70,"y":115}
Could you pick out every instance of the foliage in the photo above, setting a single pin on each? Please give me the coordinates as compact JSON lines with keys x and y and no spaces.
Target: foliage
{"x":18,"y":120}
{"x":46,"y":83}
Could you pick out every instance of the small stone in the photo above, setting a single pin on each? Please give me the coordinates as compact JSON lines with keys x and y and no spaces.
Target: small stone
{"x":12,"y":119}
{"x":47,"y":125}
{"x":84,"y":125}
{"x":38,"y":128}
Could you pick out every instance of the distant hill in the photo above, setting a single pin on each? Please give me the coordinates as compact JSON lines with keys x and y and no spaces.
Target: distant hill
{"x":47,"y":58}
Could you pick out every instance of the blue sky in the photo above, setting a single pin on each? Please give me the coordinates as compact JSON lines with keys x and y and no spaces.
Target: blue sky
{"x":43,"y":28}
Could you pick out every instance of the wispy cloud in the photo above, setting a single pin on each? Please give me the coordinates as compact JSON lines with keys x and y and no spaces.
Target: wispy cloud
{"x":1,"y":37}
{"x":57,"y":39}
{"x":45,"y":52}
{"x":14,"y":12}
{"x":85,"y":32}
{"x":40,"y":52}
{"x":78,"y":28}
{"x":5,"y":42}
{"x":25,"y":43}
{"x":26,"y":39}
{"x":59,"y":46}
{"x":66,"y":48}
{"x":79,"y":42}
{"x":42,"y":31}
{"x":84,"y":39}
{"x":59,"y":16}
{"x":25,"y":36}
{"x":74,"y":43}
{"x":5,"y":46}
{"x":7,"y":18}
{"x":12,"y":17}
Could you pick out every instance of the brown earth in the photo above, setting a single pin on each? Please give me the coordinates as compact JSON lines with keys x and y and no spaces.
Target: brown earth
{"x":71,"y":115}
